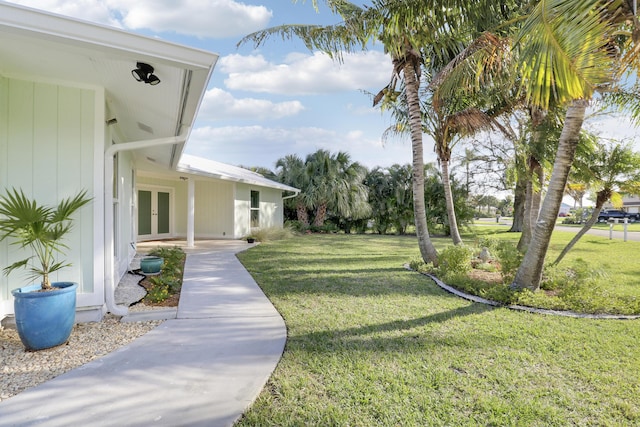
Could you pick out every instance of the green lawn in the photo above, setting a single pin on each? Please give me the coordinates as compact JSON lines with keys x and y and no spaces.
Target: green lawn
{"x":372,"y":344}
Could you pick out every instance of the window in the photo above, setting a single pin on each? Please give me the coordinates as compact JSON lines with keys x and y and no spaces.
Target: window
{"x":255,"y":209}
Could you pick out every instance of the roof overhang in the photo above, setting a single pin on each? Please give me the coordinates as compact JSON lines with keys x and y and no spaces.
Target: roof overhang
{"x":199,"y":166}
{"x":41,"y":46}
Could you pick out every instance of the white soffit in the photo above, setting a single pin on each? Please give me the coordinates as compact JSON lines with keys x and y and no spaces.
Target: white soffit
{"x":41,"y":46}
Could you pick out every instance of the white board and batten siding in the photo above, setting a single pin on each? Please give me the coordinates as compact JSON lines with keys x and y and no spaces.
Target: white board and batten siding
{"x":50,"y":142}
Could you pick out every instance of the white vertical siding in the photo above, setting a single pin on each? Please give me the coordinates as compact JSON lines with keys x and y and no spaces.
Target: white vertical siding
{"x":125,"y":239}
{"x":47,"y":142}
{"x":5,"y":300}
{"x":214,"y":209}
{"x":242,"y":210}
{"x":271,"y":210}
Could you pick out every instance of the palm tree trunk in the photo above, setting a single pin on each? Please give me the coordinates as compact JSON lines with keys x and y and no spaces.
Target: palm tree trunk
{"x":46,"y":282}
{"x":529,"y":273}
{"x":518,"y":205}
{"x":525,"y":237}
{"x":536,"y":195}
{"x":301,"y":212}
{"x":321,"y":213}
{"x":533,"y":196}
{"x":427,"y":250}
{"x":448,"y":197}
{"x":600,"y":199}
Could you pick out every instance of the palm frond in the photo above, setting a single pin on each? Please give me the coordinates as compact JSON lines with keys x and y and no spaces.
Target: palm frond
{"x":562,"y":48}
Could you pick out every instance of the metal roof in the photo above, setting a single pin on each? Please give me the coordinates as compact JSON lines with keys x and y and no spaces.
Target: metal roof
{"x":212,"y":169}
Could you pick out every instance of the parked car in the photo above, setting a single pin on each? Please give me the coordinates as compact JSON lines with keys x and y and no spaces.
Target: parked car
{"x":611,"y":214}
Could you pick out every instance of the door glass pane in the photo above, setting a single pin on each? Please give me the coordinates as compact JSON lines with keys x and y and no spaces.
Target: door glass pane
{"x":144,"y":212}
{"x":163,"y":213}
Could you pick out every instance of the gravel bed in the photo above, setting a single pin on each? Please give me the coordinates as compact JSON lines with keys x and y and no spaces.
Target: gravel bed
{"x":21,"y":369}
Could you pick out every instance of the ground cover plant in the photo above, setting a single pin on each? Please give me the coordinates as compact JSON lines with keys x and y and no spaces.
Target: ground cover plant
{"x":589,"y":280}
{"x":370,"y":343}
{"x":164,"y":289}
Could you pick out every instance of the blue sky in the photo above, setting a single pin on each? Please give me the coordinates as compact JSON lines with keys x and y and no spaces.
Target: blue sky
{"x":279,"y":99}
{"x":263,"y":104}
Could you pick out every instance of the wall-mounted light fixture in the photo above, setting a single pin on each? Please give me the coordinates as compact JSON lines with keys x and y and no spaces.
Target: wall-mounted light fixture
{"x":144,"y":73}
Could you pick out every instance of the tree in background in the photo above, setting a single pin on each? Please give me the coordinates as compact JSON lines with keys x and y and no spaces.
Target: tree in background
{"x":335,"y":183}
{"x":435,"y":202}
{"x":610,"y":170}
{"x":407,"y":29}
{"x":380,"y":198}
{"x":290,"y":170}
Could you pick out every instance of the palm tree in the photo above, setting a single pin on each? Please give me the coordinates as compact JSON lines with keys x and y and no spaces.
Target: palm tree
{"x":612,"y":170}
{"x":39,"y":228}
{"x":567,"y":50}
{"x":400,"y":177}
{"x":380,"y":198}
{"x":334,"y":182}
{"x":290,"y":171}
{"x":404,"y":27}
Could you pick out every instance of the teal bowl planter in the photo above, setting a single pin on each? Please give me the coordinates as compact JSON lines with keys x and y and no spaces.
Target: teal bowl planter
{"x":45,"y":319}
{"x":151,"y":264}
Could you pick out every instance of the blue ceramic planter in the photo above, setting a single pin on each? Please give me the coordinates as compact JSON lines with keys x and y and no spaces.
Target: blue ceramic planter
{"x":45,"y":319}
{"x":151,"y":264}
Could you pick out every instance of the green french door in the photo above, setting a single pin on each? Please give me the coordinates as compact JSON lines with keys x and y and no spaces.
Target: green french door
{"x":154,"y":214}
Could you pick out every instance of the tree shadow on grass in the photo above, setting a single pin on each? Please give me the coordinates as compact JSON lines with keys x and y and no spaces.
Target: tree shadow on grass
{"x":377,"y":334}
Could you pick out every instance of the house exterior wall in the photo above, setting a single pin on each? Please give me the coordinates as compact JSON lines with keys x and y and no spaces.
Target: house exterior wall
{"x":50,"y":139}
{"x":124,"y":212}
{"x":631,"y":203}
{"x":221,"y":208}
{"x":271,"y":210}
{"x":179,"y":200}
{"x":213,"y":217}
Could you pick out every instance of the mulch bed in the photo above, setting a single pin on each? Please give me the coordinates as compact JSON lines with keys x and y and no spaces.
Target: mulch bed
{"x":171,"y":301}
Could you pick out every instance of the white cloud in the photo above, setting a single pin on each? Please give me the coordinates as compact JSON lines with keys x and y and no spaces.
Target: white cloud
{"x":88,"y":10}
{"x":307,"y":74}
{"x":220,"y":105}
{"x":263,"y":146}
{"x":201,"y":18}
{"x":613,"y":126}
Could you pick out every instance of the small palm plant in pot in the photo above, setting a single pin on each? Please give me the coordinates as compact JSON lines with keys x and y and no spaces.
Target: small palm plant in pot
{"x":45,"y":312}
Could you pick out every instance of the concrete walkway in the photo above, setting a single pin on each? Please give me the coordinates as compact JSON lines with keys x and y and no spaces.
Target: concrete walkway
{"x":201,"y":369}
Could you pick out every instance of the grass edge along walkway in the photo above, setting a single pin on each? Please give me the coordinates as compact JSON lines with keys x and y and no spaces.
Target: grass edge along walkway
{"x":370,"y":343}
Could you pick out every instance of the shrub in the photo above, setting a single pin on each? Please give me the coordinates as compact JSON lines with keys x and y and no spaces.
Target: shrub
{"x":272,"y":233}
{"x":417,"y":264}
{"x":500,"y":293}
{"x":510,"y":259}
{"x":540,"y":299}
{"x":455,"y":260}
{"x":158,"y":293}
{"x":487,"y":242}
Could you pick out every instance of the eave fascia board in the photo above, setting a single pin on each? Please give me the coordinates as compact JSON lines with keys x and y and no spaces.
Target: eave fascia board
{"x":224,"y":177}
